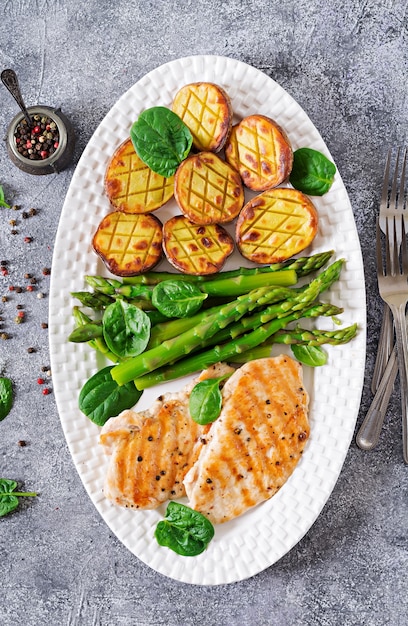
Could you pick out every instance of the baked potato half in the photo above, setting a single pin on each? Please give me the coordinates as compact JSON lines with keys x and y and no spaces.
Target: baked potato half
{"x":129,"y":243}
{"x":195,"y":249}
{"x":276,"y":225}
{"x":206,"y":110}
{"x":259,"y":149}
{"x":208,"y":190}
{"x":132,"y":186}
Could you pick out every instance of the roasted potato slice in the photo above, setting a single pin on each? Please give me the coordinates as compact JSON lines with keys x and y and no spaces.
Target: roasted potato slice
{"x":275,"y":225}
{"x":206,"y":110}
{"x":132,"y":186}
{"x":259,"y":149}
{"x":195,"y":249}
{"x":208,"y":190}
{"x":129,"y":243}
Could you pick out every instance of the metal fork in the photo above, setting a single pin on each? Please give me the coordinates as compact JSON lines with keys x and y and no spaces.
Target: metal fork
{"x":385,"y":370}
{"x":393,"y":288}
{"x":386,"y":339}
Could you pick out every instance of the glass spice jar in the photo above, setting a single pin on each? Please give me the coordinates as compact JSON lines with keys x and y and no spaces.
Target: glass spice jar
{"x":46,"y":147}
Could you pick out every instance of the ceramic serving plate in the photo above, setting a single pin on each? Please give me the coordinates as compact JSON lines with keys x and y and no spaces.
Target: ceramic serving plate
{"x":256,"y":540}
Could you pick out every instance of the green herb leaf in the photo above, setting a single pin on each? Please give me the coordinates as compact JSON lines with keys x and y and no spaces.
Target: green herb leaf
{"x":9,"y":497}
{"x":101,"y":397}
{"x":161,"y":139}
{"x":6,"y":397}
{"x":175,"y":298}
{"x":2,"y":200}
{"x":206,"y":400}
{"x":313,"y":356}
{"x":312,"y":172}
{"x":126,"y":328}
{"x":184,"y":530}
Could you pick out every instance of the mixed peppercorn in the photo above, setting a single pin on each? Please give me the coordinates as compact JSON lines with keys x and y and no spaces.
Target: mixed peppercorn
{"x":38,"y":142}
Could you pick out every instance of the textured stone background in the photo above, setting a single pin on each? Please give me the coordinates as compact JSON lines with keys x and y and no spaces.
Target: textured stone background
{"x":346,"y":64}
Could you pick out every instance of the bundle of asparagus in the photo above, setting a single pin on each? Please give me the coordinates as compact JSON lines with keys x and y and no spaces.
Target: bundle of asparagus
{"x":250,"y":309}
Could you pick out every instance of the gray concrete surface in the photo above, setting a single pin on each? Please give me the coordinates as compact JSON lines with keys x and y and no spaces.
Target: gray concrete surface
{"x":346,"y":63}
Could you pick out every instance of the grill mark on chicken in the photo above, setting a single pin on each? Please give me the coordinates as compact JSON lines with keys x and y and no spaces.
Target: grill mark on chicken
{"x":151,"y":451}
{"x":256,"y":442}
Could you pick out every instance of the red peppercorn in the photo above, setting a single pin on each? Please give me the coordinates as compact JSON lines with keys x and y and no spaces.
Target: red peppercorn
{"x":56,"y":144}
{"x":27,"y":239}
{"x":11,"y":288}
{"x":43,"y":154}
{"x":36,"y":130}
{"x":45,"y":391}
{"x":29,"y":144}
{"x":21,"y":314}
{"x":30,"y":288}
{"x":4,"y":271}
{"x":40,"y":381}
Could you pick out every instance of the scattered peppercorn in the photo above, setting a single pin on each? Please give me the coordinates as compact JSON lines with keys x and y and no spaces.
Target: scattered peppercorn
{"x":33,"y":211}
{"x":20,"y":314}
{"x":46,"y":391}
{"x":27,"y":275}
{"x":18,"y":289}
{"x":46,"y":271}
{"x":30,"y":288}
{"x":14,"y":232}
{"x":4,"y":299}
{"x":19,"y":306}
{"x":16,"y":207}
{"x":4,"y":336}
{"x":31,"y":350}
{"x":44,"y":325}
{"x":40,"y":295}
{"x":28,"y":239}
{"x":24,"y":215}
{"x":44,"y":368}
{"x":33,"y":280}
{"x":40,"y":381}
{"x":21,"y":443}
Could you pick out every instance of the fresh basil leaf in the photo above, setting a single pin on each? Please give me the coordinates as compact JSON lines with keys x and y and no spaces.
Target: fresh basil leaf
{"x":184,"y":530}
{"x":9,"y":497}
{"x":6,"y":397}
{"x":8,"y":502}
{"x":206,"y":400}
{"x":126,"y":328}
{"x":175,"y":298}
{"x":312,"y":172}
{"x":101,"y":397}
{"x":313,"y":356}
{"x":161,"y":139}
{"x":2,"y":200}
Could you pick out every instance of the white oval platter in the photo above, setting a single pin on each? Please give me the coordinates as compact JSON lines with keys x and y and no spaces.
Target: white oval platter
{"x":249,"y":544}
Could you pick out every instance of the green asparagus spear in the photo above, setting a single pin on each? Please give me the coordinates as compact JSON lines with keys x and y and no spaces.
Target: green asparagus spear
{"x":230,"y":350}
{"x":299,"y":336}
{"x":175,"y":348}
{"x":86,"y":332}
{"x":115,"y":288}
{"x":172,"y":328}
{"x":242,"y":284}
{"x":302,"y":267}
{"x":96,"y":301}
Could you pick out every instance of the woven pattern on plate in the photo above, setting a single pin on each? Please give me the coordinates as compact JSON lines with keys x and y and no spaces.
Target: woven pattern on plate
{"x":249,"y":544}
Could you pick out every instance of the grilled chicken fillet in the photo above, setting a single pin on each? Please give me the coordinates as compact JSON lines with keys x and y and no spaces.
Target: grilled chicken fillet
{"x":151,"y":451}
{"x":255,"y":444}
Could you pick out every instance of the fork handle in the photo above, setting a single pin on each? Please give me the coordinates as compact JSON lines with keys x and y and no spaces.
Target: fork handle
{"x":370,"y":430}
{"x":402,"y":353}
{"x":384,"y":348}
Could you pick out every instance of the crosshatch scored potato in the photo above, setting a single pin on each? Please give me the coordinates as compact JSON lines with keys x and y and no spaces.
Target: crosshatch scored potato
{"x":260,"y":150}
{"x":195,"y":249}
{"x":132,"y":186}
{"x":208,"y":190}
{"x":206,"y":110}
{"x":276,"y":225}
{"x":128,"y":243}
